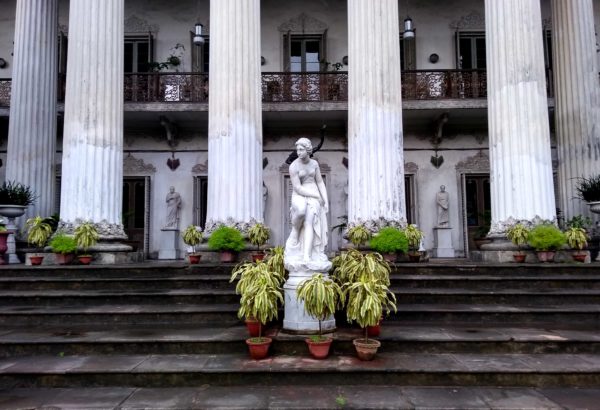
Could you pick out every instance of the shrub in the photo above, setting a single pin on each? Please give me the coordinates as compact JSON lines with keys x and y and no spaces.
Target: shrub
{"x":358,"y":235}
{"x":546,"y":238}
{"x":38,"y":231}
{"x":588,"y":189}
{"x":518,"y":234}
{"x":64,"y":244}
{"x":576,"y":238}
{"x":15,"y":193}
{"x":389,"y":240}
{"x":86,"y":235}
{"x":579,"y":221}
{"x":413,"y":235}
{"x":225,"y":238}
{"x":259,"y":234}
{"x":192,"y":236}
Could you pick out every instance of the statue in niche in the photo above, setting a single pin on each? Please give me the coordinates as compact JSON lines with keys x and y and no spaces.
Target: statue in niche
{"x":173,"y":207}
{"x":442,"y":200}
{"x":305,"y":247}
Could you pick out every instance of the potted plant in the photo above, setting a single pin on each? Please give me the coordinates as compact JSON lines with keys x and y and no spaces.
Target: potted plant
{"x":228,"y":241}
{"x":358,"y":235}
{"x":351,"y":265}
{"x":546,"y":239}
{"x":367,"y":297}
{"x":588,"y":189}
{"x":247,"y":274}
{"x":64,"y":247}
{"x":320,"y":296}
{"x":38,"y":232}
{"x":274,"y":260}
{"x":414,"y":236}
{"x":577,"y":239}
{"x":518,"y":234}
{"x":86,"y":236}
{"x":258,"y":235}
{"x":14,"y":199}
{"x":260,"y":296}
{"x":389,"y":241}
{"x":192,"y":237}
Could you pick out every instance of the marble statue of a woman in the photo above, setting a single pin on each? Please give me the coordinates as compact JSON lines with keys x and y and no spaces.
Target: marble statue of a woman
{"x":305,"y":247}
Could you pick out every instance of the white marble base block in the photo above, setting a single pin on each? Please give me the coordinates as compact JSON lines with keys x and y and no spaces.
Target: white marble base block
{"x":295,"y":319}
{"x":170,"y":239}
{"x":443,"y":243}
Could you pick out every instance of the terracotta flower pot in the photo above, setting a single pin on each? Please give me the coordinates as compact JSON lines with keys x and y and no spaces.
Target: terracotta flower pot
{"x":545,"y":256}
{"x":374,"y":331}
{"x":227,"y":256}
{"x":579,"y":256}
{"x":258,"y":256}
{"x":253,"y":327}
{"x":194,"y":259}
{"x":64,"y":259}
{"x":319,"y":350}
{"x":85,"y":259}
{"x":3,"y":245}
{"x":519,"y":257}
{"x":259,"y":347}
{"x":390,"y":257}
{"x":366,"y":350}
{"x":414,"y":257}
{"x":36,"y":260}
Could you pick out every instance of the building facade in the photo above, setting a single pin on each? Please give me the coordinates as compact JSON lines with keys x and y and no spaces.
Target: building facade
{"x":105,"y":105}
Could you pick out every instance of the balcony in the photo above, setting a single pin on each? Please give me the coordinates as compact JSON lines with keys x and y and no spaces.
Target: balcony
{"x":288,"y":87}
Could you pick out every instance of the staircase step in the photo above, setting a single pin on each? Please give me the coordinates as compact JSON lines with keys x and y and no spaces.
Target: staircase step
{"x":216,"y":340}
{"x":34,"y":315}
{"x":455,"y":369}
{"x":492,"y":282}
{"x":306,"y":397}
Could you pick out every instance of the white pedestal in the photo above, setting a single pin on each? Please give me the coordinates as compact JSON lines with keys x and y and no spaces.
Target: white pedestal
{"x":171,"y":247}
{"x":295,"y":319}
{"x":443,"y":243}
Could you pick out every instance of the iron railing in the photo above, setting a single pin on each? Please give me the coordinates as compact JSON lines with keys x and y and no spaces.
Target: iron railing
{"x":288,"y":87}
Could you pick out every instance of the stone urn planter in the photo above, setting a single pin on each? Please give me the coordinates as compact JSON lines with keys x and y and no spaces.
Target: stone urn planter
{"x":11,"y":212}
{"x":594,"y":207}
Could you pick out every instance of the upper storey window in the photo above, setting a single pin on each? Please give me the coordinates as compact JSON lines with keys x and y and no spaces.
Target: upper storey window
{"x":470,"y":50}
{"x":138,"y":53}
{"x":304,"y":53}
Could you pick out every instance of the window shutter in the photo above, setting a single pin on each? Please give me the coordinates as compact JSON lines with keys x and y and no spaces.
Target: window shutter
{"x":287,"y":46}
{"x":324,"y":46}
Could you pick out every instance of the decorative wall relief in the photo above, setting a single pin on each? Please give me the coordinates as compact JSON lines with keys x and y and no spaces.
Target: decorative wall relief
{"x":475,"y":20}
{"x":477,"y":163}
{"x":135,"y":24}
{"x":303,"y":24}
{"x":200,"y":168}
{"x":133,"y":166}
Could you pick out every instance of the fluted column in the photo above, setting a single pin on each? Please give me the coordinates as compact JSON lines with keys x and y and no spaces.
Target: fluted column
{"x":234,"y":113}
{"x":375,"y":137}
{"x":32,"y":125}
{"x":577,"y":103}
{"x":519,"y":134}
{"x":92,"y":168}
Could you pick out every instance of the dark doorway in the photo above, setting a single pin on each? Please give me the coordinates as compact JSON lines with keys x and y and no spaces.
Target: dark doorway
{"x":134,"y":211}
{"x":478,"y":207}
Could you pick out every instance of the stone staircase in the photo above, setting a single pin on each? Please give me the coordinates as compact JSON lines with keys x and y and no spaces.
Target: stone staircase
{"x":173,"y":327}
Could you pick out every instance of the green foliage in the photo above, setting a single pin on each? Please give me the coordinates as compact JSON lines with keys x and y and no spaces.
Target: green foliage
{"x":2,"y":228}
{"x":38,"y":231}
{"x":64,"y":244}
{"x":249,"y":272}
{"x":576,"y":238}
{"x":192,"y":236}
{"x":579,"y":221}
{"x":352,"y":265}
{"x":225,"y":238}
{"x":485,"y":227}
{"x":86,"y":235}
{"x":259,"y":234}
{"x":389,"y":240}
{"x":341,"y":401}
{"x":274,"y":260}
{"x":15,"y":193}
{"x":588,"y":189}
{"x":261,"y":292}
{"x":414,"y":236}
{"x":53,"y":220}
{"x":321,"y":296}
{"x":518,"y":234}
{"x":358,"y":235}
{"x":367,"y":298}
{"x":546,"y":237}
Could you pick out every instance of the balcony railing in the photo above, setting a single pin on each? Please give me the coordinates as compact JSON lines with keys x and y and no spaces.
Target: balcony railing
{"x":285,"y":87}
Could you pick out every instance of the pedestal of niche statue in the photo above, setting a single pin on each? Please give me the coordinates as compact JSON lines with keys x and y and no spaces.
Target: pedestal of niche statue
{"x":169,"y":248}
{"x":443,"y":247}
{"x":295,"y":319}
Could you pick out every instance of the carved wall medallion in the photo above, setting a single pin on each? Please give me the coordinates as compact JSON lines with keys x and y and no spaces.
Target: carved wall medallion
{"x":472,"y":21}
{"x":135,"y":24}
{"x":303,"y":24}
{"x":477,"y":163}
{"x":134,"y":166}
